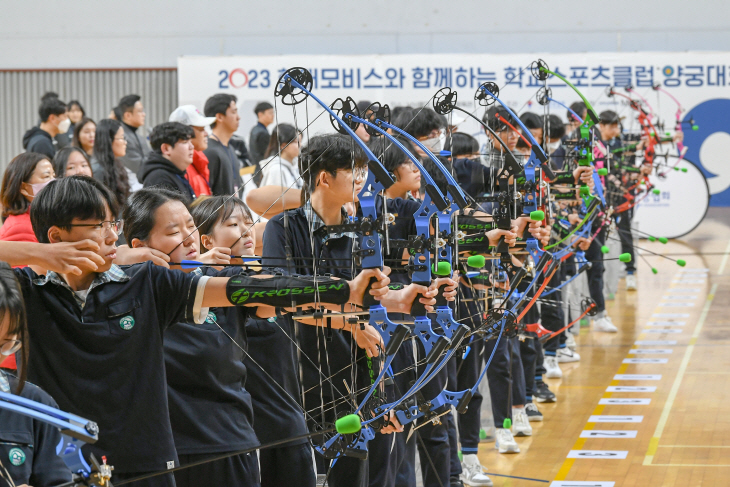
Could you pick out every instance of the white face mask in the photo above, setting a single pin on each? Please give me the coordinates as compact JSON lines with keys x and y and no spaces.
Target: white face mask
{"x":64,"y":126}
{"x":553,"y":146}
{"x":434,"y":144}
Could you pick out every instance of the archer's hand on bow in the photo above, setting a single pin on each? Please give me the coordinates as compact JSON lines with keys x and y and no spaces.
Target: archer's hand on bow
{"x":645,"y":169}
{"x":401,"y":301}
{"x":573,"y":219}
{"x":393,"y":426}
{"x":451,"y":286}
{"x":510,"y":236}
{"x":582,"y":243}
{"x":584,"y":175}
{"x":539,"y":231}
{"x":378,"y":289}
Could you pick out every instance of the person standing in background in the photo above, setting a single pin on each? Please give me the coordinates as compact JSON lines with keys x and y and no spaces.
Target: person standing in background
{"x":110,"y":146}
{"x":133,"y":117}
{"x":84,"y":135}
{"x":223,"y":163}
{"x":54,"y":121}
{"x":75,"y":113}
{"x":198,"y":173}
{"x":281,"y":168}
{"x":259,"y":139}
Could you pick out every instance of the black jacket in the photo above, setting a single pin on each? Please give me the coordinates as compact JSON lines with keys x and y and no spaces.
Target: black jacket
{"x":40,"y":141}
{"x":160,"y":172}
{"x":259,"y":142}
{"x":221,"y":160}
{"x":28,"y":446}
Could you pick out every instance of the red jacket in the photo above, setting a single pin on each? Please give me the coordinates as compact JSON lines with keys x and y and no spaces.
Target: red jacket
{"x":16,"y":228}
{"x":198,"y":174}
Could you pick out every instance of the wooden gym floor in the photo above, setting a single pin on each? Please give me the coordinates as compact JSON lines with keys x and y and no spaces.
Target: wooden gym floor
{"x":673,"y":430}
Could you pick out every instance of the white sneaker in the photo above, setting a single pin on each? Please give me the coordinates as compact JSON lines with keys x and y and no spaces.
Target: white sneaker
{"x":552,"y":368}
{"x":630,"y":282}
{"x":472,"y":473}
{"x":505,"y":442}
{"x":520,"y":422}
{"x":604,"y":324}
{"x":570,"y":341}
{"x":566,"y":355}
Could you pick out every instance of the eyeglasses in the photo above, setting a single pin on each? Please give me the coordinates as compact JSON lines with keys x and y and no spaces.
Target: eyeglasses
{"x":409,"y":165}
{"x":9,"y":347}
{"x":104,"y":227}
{"x":435,"y":133}
{"x":120,"y":138}
{"x":357,"y":172}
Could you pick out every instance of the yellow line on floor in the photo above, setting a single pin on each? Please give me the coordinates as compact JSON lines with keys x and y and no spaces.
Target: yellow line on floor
{"x":724,"y":260}
{"x":654,"y":442}
{"x":568,"y":463}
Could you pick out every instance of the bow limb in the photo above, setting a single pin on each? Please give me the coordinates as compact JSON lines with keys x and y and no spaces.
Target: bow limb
{"x":294,"y":86}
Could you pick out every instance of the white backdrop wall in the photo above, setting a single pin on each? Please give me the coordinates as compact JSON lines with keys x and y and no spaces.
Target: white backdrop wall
{"x":699,"y":80}
{"x":143,"y":33}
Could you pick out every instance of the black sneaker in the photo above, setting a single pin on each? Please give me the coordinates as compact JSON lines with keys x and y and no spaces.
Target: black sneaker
{"x":455,"y":482}
{"x":542,"y":393}
{"x":533,"y":414}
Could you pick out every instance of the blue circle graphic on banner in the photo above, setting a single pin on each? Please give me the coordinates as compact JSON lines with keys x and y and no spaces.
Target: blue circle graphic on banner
{"x":709,"y":146}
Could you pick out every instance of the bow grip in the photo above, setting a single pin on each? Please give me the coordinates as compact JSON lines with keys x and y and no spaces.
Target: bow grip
{"x":502,"y":246}
{"x":396,"y":339}
{"x":463,"y":404}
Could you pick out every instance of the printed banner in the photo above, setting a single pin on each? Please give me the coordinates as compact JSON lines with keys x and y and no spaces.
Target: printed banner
{"x":700,"y":81}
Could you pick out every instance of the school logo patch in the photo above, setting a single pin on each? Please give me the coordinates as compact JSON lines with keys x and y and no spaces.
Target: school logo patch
{"x":17,"y":456}
{"x":126,"y":323}
{"x":211,"y":318}
{"x":240,"y":296}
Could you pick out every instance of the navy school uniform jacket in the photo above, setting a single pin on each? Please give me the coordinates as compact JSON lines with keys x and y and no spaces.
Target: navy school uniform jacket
{"x":473,"y":177}
{"x":273,"y":379}
{"x":28,"y":446}
{"x":335,"y":253}
{"x":210,"y":409}
{"x":104,"y":361}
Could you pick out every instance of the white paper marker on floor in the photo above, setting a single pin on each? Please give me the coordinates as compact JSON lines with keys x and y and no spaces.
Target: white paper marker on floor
{"x":662,"y":330}
{"x":637,"y":377}
{"x":631,"y":389}
{"x":612,"y":418}
{"x":625,"y":400}
{"x":651,"y":351}
{"x":601,"y":454}
{"x":670,"y":315}
{"x":655,"y":342}
{"x":645,"y":361}
{"x":666,"y":323}
{"x":608,"y":434}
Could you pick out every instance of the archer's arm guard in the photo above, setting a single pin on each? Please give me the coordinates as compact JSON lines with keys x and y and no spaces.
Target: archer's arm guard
{"x":475,"y":239}
{"x":286,"y":291}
